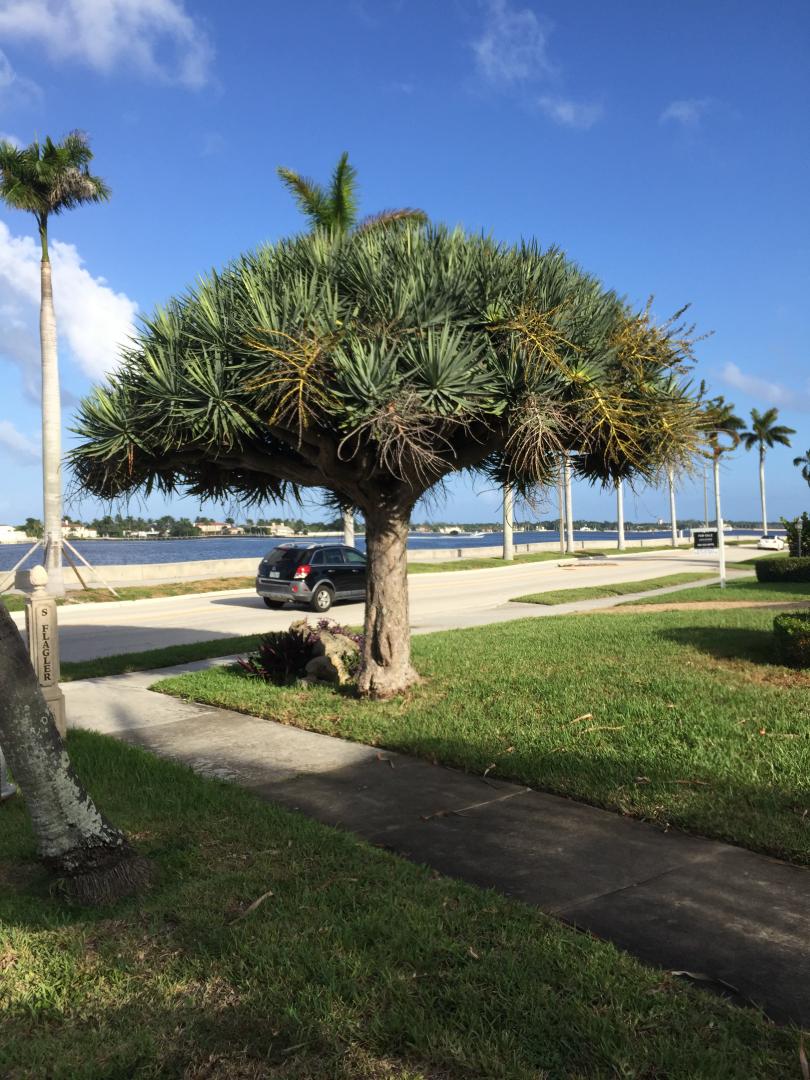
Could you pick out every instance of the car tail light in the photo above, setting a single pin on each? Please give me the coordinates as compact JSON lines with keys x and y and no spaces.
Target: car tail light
{"x":302,"y":572}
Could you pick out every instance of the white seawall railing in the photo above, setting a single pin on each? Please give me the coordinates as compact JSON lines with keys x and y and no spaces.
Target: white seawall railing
{"x":203,"y":569}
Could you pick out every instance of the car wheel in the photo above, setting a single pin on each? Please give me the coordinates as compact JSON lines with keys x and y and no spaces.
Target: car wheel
{"x":321,"y":599}
{"x":273,"y":603}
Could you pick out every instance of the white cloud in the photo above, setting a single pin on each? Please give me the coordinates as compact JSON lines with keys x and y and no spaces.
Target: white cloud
{"x":769,"y":393}
{"x":581,"y":115}
{"x":91,"y":318}
{"x":688,"y":113}
{"x":21,"y":448}
{"x":513,"y":46}
{"x":155,"y":37}
{"x":6,"y":137}
{"x":15,"y":90}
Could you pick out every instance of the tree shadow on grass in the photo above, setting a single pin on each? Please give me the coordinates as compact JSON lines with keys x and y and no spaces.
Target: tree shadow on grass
{"x":726,"y":643}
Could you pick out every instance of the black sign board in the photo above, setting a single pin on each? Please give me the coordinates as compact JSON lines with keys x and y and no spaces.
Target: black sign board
{"x":705,"y":538}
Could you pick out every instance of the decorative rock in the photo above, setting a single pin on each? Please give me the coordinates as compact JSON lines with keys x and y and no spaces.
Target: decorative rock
{"x":323,"y":669}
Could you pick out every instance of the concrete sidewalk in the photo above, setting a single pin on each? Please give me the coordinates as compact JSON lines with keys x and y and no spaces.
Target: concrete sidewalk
{"x":736,"y":920}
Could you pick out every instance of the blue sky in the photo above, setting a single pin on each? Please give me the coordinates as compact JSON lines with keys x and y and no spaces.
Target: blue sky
{"x":663,"y":146}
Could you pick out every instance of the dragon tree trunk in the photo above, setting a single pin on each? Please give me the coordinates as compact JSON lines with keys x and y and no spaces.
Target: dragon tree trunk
{"x":386,"y":665}
{"x":92,"y":859}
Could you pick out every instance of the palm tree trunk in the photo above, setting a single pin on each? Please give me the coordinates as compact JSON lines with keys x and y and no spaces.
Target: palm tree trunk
{"x":348,"y":528}
{"x":673,"y":519}
{"x":561,"y":504}
{"x":721,"y":543}
{"x":91,"y":857}
{"x":569,"y":508}
{"x":508,"y":523}
{"x":762,"y":489}
{"x":386,"y":662}
{"x":620,"y":514}
{"x":51,"y":433}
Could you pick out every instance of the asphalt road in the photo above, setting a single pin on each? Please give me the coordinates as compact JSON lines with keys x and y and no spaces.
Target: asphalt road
{"x":439,"y":601}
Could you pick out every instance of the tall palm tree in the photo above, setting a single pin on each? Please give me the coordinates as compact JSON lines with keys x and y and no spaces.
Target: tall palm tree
{"x":45,"y":179}
{"x":803,"y":463}
{"x":335,"y":209}
{"x":765,"y":433}
{"x":723,"y":433}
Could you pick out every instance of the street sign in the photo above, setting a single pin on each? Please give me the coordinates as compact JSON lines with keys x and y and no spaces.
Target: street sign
{"x":705,"y":538}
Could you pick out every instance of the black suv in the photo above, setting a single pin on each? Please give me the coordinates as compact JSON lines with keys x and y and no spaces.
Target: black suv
{"x":314,"y":574}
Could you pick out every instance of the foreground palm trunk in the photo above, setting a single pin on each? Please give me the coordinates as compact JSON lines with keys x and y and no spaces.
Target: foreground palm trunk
{"x":51,"y":434}
{"x":92,"y":859}
{"x":386,"y":667}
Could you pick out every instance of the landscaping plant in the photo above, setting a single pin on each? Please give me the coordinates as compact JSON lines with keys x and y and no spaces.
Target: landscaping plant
{"x":792,"y":635}
{"x":783,"y":569}
{"x":282,"y":655}
{"x":798,"y":534}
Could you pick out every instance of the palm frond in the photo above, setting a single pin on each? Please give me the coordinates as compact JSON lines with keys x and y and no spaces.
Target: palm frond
{"x":312,"y":199}
{"x":343,"y":194}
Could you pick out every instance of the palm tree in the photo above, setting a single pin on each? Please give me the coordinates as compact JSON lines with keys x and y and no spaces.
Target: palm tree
{"x":334,"y":209}
{"x":45,"y":179}
{"x":803,"y":463}
{"x":723,"y":433}
{"x":765,"y":433}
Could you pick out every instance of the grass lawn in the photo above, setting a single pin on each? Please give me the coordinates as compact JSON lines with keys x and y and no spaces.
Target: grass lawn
{"x":544,"y":556}
{"x":596,"y":592}
{"x":122,"y":663}
{"x":356,"y":965}
{"x":681,"y":718}
{"x":735,"y":591}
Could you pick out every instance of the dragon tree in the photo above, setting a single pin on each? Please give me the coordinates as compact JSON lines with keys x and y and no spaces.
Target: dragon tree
{"x":375,"y":364}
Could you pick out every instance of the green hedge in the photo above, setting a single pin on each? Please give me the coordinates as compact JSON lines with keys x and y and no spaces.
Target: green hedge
{"x":792,"y":634}
{"x":783,"y":569}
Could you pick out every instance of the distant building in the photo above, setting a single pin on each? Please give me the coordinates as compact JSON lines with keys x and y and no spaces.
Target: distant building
{"x":276,"y":528}
{"x":143,"y":534}
{"x":78,"y":532}
{"x":219,"y":528}
{"x":10,"y":535}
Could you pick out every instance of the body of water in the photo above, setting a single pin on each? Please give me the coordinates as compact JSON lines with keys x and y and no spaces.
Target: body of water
{"x":129,"y":552}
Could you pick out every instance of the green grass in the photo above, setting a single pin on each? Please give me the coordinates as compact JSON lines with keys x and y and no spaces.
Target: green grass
{"x":357,"y":966}
{"x":753,"y":592}
{"x":169,"y":656}
{"x":681,"y":718}
{"x":482,"y":564}
{"x":597,"y":592}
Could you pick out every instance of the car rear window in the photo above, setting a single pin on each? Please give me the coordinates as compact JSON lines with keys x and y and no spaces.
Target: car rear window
{"x":283,"y":555}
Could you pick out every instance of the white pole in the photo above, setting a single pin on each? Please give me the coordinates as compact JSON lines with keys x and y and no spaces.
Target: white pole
{"x":673,"y":519}
{"x":569,"y":508}
{"x":705,"y":497}
{"x":508,"y":523}
{"x":721,"y":545}
{"x":620,"y":513}
{"x":348,"y":528}
{"x":561,"y":504}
